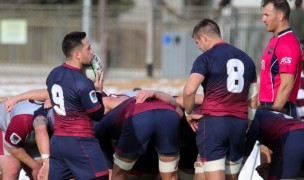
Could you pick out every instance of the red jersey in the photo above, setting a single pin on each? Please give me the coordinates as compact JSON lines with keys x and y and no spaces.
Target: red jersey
{"x":282,"y":55}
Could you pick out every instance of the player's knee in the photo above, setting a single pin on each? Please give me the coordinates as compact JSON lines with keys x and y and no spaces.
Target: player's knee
{"x":166,"y":167}
{"x":123,"y":165}
{"x":233,"y":167}
{"x":216,"y":165}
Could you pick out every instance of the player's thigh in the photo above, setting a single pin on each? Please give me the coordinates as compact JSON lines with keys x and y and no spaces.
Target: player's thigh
{"x":58,"y":169}
{"x":9,"y":165}
{"x":136,"y":134}
{"x":84,"y":158}
{"x":216,"y":136}
{"x":167,"y":132}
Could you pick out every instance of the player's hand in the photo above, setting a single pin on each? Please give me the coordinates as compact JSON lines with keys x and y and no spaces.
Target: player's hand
{"x":179,"y":111}
{"x":47,"y":104}
{"x":44,"y":171}
{"x":36,"y":169}
{"x":2,"y":100}
{"x":99,"y":79}
{"x":193,"y":121}
{"x":143,"y":95}
{"x":10,"y":103}
{"x":263,"y":170}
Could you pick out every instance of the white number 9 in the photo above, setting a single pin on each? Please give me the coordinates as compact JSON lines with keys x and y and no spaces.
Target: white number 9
{"x":58,"y":99}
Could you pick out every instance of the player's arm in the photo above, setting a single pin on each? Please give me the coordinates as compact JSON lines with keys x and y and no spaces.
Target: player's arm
{"x":24,"y":157}
{"x":37,"y":95}
{"x":284,"y":91}
{"x":189,"y":92}
{"x":252,"y":101}
{"x":198,"y":100}
{"x":98,"y":113}
{"x":40,"y":124}
{"x":143,"y":95}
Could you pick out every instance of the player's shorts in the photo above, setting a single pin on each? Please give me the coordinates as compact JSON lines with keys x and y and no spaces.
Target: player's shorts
{"x":289,"y":106}
{"x":288,"y":156}
{"x":138,"y":130}
{"x":77,"y":157}
{"x":104,"y":135}
{"x":219,"y":137}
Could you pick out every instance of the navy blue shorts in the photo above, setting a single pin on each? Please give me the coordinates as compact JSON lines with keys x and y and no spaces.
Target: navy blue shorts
{"x":76,"y":157}
{"x":219,"y":137}
{"x":140,"y":129}
{"x":288,"y":156}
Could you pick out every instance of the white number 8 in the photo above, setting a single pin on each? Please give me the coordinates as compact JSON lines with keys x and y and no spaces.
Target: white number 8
{"x":58,"y":99}
{"x":235,"y":80}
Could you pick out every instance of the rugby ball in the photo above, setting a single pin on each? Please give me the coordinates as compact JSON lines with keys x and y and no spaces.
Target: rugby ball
{"x":90,"y":70}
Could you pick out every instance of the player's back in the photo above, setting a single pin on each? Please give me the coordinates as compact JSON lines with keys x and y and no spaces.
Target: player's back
{"x":270,"y":125}
{"x":21,"y":108}
{"x":112,"y":122}
{"x":228,"y":73}
{"x":73,"y":96}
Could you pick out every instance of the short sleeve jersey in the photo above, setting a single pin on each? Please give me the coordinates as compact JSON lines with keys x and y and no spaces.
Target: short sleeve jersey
{"x":228,"y":73}
{"x":282,"y":55}
{"x":73,"y":97}
{"x":267,"y":126}
{"x":19,"y":124}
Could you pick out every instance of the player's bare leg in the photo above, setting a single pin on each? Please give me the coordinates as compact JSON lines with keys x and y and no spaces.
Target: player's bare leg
{"x":10,"y":167}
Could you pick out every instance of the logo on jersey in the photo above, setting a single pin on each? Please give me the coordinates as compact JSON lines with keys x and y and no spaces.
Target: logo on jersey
{"x":15,"y":139}
{"x":270,"y":50}
{"x":286,"y":60}
{"x":262,"y":64}
{"x":93,"y":96}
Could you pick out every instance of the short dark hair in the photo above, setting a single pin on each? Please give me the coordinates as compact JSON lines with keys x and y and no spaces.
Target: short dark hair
{"x":71,"y":41}
{"x":280,"y":5}
{"x":206,"y":26}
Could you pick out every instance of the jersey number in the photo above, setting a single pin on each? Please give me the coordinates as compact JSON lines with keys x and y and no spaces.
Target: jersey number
{"x":58,"y":99}
{"x":235,"y":71}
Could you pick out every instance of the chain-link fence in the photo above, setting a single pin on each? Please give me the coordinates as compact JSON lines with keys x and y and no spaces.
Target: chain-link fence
{"x":126,"y":34}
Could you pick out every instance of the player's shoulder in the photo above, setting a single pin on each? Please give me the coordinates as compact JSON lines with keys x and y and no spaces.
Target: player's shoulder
{"x":83,"y":82}
{"x":56,"y":69}
{"x":288,"y":39}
